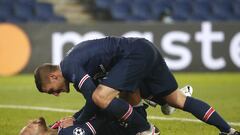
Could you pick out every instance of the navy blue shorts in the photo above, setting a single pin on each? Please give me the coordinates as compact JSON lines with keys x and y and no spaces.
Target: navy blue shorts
{"x":143,"y":65}
{"x":160,"y":82}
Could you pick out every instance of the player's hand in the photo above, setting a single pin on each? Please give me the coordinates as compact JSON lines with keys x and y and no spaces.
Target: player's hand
{"x":67,"y":117}
{"x":66,"y":122}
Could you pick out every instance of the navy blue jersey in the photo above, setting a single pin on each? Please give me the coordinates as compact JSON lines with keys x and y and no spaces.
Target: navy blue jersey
{"x":128,"y":62}
{"x":90,"y":58}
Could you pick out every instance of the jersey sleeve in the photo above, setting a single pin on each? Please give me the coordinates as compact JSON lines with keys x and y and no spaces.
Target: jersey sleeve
{"x":74,"y":72}
{"x":83,"y":83}
{"x":86,"y":86}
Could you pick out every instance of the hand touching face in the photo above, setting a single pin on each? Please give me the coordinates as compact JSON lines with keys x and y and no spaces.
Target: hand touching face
{"x":66,"y":122}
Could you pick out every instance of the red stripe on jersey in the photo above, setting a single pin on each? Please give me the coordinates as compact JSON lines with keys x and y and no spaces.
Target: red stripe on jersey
{"x":128,"y":113}
{"x":85,"y":77}
{"x":91,"y":128}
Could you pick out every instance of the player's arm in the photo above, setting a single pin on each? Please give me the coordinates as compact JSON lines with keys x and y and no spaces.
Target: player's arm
{"x":74,"y":72}
{"x":86,"y":87}
{"x":77,"y":114}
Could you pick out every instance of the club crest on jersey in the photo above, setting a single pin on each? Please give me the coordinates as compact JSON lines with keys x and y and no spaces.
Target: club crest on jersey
{"x":78,"y":131}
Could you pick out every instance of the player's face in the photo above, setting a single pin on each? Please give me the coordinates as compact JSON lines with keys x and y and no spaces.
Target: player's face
{"x":56,"y":85}
{"x":35,"y":127}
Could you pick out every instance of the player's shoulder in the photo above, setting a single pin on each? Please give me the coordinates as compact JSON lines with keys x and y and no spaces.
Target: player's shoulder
{"x":66,"y":70}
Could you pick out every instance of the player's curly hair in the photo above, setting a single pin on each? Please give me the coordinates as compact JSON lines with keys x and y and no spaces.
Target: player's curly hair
{"x":41,"y":74}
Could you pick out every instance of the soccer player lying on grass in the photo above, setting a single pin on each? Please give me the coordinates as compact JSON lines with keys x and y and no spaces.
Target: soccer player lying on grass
{"x":101,"y":125}
{"x":116,"y":127}
{"x":98,"y":125}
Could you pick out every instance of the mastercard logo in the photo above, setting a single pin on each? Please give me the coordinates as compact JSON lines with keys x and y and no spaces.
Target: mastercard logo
{"x":15,"y":49}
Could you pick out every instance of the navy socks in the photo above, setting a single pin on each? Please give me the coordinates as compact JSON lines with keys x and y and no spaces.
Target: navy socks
{"x":124,"y":112}
{"x":207,"y":114}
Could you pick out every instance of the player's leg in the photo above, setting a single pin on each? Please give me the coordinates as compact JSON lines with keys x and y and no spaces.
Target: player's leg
{"x":166,"y":108}
{"x":122,"y":128}
{"x":125,"y":77}
{"x":105,"y":98}
{"x":199,"y":109}
{"x":232,"y":132}
{"x":164,"y":85}
{"x":133,"y":98}
{"x":141,"y":109}
{"x":138,"y":105}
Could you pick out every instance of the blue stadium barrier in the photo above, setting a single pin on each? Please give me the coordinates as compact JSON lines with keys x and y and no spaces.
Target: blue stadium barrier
{"x":7,"y":2}
{"x":6,"y":10}
{"x":142,"y":10}
{"x":44,"y":10}
{"x":201,"y":11}
{"x":223,"y":10}
{"x":20,"y":11}
{"x":181,"y":10}
{"x":104,"y":4}
{"x":23,"y":11}
{"x":236,"y":10}
{"x":160,"y":7}
{"x":27,"y":2}
{"x":120,"y":10}
{"x":14,"y":19}
{"x":56,"y":19}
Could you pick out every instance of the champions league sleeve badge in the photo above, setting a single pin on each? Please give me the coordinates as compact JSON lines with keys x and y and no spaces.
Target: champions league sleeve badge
{"x":78,"y":131}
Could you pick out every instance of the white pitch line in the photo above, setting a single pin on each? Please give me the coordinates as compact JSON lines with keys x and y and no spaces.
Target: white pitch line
{"x":72,"y":111}
{"x":37,"y":108}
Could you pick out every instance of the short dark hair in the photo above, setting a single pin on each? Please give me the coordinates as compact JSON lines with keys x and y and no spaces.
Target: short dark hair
{"x":41,"y":74}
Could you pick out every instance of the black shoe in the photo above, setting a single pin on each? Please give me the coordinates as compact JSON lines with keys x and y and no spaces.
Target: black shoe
{"x":235,"y":133}
{"x":157,"y":131}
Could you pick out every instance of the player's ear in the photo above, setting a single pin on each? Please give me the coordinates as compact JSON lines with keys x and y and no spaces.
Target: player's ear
{"x":52,"y":77}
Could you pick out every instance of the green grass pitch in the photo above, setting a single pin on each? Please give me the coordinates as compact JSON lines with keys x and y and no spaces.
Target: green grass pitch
{"x":221,"y":90}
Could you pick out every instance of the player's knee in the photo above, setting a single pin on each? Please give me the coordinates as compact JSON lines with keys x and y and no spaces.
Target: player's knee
{"x":103,"y":95}
{"x":100,"y":99}
{"x":176,"y":99}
